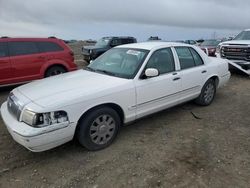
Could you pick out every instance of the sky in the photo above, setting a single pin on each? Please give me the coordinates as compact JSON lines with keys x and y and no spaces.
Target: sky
{"x":93,"y":19}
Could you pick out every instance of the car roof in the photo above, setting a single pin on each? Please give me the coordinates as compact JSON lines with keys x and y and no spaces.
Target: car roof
{"x":152,"y":45}
{"x":7,"y":39}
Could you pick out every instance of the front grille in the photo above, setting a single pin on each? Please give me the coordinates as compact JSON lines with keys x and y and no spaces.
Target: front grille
{"x":13,"y":106}
{"x":85,"y":51}
{"x":235,"y":53}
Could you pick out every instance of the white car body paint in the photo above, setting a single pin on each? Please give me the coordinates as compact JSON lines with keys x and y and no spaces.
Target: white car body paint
{"x":79,"y":91}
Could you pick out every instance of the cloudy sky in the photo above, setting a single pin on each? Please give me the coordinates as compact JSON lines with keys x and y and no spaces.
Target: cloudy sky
{"x":85,"y":19}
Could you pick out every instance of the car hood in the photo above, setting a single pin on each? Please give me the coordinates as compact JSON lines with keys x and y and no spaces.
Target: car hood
{"x":236,"y":42}
{"x":67,"y":87}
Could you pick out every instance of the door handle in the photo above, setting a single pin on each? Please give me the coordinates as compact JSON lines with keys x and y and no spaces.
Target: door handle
{"x":175,"y":73}
{"x":176,"y":78}
{"x":203,"y":71}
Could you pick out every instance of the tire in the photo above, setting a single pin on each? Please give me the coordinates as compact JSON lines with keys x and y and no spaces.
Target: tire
{"x":98,"y":129}
{"x":55,"y":70}
{"x":207,"y":93}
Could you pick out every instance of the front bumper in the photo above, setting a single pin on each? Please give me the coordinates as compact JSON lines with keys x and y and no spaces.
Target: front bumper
{"x":244,"y":64}
{"x":88,"y":57}
{"x":37,"y":139}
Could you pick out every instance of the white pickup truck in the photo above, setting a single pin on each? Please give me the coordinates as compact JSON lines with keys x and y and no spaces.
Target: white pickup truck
{"x":237,"y":51}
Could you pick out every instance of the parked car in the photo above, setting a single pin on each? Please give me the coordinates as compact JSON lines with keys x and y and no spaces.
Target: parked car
{"x":192,"y":42}
{"x":103,"y":45}
{"x":126,"y":83}
{"x":209,"y":46}
{"x":153,"y":38}
{"x":27,"y":59}
{"x":237,"y":51}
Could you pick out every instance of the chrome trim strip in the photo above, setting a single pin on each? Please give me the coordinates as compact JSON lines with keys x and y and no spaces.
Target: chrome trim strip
{"x":162,"y":98}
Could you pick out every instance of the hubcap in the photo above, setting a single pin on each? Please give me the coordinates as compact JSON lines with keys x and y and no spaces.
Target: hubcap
{"x":102,"y":129}
{"x":209,"y":93}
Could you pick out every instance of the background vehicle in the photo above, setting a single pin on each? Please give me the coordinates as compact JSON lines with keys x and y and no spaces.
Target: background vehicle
{"x":104,"y":44}
{"x":209,"y":46}
{"x":27,"y":59}
{"x":191,"y":42}
{"x":153,"y":38}
{"x":126,"y":83}
{"x":237,"y":51}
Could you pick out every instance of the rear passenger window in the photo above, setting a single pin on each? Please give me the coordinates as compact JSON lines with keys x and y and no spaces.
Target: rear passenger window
{"x":185,"y":57}
{"x":3,"y":50}
{"x":22,"y":48}
{"x":197,"y":58}
{"x":49,"y":47}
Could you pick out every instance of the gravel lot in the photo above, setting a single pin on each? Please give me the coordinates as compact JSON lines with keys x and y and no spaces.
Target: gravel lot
{"x":185,"y":146}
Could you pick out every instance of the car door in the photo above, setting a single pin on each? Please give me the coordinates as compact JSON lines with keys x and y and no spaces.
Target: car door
{"x":5,"y":67}
{"x":26,"y":60}
{"x":157,"y":93}
{"x":193,"y":72}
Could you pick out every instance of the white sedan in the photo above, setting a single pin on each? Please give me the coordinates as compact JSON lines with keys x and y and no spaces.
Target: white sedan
{"x":126,"y":83}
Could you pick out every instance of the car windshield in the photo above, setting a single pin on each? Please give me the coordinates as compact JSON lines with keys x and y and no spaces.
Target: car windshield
{"x":119,"y":62}
{"x":210,"y":43}
{"x":102,"y":42}
{"x":244,"y":35}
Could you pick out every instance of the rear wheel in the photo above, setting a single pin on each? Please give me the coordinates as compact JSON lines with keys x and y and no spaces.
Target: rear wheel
{"x":55,"y":70}
{"x":207,"y":93}
{"x":99,"y":128}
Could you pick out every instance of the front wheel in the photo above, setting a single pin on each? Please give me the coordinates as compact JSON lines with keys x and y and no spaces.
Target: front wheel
{"x":207,"y":93}
{"x":98,"y":129}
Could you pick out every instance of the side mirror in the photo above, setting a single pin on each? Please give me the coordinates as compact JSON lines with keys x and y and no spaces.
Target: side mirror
{"x":151,"y":72}
{"x":91,"y":61}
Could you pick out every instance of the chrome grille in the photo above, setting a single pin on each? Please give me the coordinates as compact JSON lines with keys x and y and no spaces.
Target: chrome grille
{"x":14,"y":108}
{"x":235,"y":53}
{"x":85,"y":51}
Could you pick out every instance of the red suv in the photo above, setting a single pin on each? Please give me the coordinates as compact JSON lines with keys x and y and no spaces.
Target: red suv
{"x":26,"y":59}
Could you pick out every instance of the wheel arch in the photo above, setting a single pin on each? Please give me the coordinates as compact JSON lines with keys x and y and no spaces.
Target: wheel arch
{"x":114,"y":106}
{"x":48,"y":65}
{"x":215,"y":78}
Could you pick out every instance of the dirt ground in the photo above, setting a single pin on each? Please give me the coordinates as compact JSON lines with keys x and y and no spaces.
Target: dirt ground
{"x":185,"y":146}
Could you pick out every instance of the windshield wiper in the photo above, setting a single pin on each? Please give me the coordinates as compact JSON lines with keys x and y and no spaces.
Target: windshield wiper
{"x":106,"y":72}
{"x":90,"y":69}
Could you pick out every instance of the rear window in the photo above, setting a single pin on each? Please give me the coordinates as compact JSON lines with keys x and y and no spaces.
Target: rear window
{"x":3,"y":50}
{"x":22,"y":48}
{"x":49,"y":47}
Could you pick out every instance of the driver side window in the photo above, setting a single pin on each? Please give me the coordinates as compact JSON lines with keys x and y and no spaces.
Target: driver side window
{"x":162,"y":60}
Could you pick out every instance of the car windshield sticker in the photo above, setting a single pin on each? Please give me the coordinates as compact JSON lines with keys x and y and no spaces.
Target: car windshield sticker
{"x":133,"y":52}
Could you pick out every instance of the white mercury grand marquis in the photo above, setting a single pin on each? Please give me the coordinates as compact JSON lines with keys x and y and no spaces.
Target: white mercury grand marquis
{"x":124,"y":84}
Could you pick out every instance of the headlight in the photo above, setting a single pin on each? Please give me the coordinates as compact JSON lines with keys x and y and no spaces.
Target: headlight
{"x":218,"y":49}
{"x":44,"y":119}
